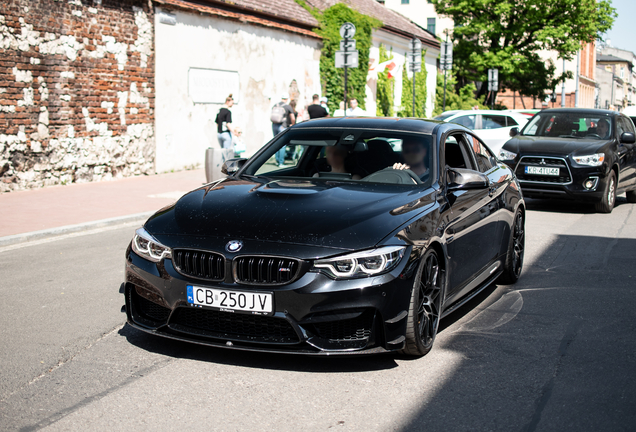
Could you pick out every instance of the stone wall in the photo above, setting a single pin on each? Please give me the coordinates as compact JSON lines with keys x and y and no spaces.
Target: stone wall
{"x":76,"y":91}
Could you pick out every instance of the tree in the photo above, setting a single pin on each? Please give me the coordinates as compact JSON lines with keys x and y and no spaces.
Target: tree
{"x":509,"y":35}
{"x":332,"y":78}
{"x":406,"y":109}
{"x":464,"y":100}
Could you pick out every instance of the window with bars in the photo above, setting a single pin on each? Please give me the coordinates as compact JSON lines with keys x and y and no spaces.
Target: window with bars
{"x":430,"y":25}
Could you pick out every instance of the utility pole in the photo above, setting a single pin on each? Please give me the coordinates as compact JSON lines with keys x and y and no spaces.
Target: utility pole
{"x":493,"y":85}
{"x":416,"y":63}
{"x":446,"y":63}
{"x":563,"y":88}
{"x":576,"y":82}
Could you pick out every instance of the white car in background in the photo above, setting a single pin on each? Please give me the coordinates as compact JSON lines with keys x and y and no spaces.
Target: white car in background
{"x":493,"y":127}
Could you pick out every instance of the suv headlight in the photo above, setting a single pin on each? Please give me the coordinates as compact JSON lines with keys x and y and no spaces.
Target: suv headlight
{"x":361,"y":264}
{"x":148,"y":247}
{"x":590,"y":160}
{"x":506,"y":155}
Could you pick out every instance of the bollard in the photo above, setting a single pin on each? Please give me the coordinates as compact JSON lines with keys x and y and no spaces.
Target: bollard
{"x":214,"y":159}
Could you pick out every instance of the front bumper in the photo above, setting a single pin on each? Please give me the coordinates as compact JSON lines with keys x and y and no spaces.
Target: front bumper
{"x":571,"y":188}
{"x":312,"y":315}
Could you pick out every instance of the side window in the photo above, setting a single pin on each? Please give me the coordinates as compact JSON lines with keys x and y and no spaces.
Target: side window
{"x":511,"y":122}
{"x":466,"y":120}
{"x":491,"y":121}
{"x":456,"y":152}
{"x":620,"y":126}
{"x":628,"y":125}
{"x":485,"y":159}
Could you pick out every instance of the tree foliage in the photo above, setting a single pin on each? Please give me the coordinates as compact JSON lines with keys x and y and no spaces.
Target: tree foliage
{"x":509,"y":35}
{"x":384,"y":94}
{"x":406,"y":108}
{"x":332,"y":78}
{"x":462,"y":100}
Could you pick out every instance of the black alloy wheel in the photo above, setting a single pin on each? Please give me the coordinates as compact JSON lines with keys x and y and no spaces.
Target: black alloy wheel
{"x":606,"y":205}
{"x":516,"y":248}
{"x":425,"y":307}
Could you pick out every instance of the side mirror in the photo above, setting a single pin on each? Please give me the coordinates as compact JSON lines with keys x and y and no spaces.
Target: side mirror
{"x":628,"y":138}
{"x":231,"y":166}
{"x":514,"y":131}
{"x":463,"y":179}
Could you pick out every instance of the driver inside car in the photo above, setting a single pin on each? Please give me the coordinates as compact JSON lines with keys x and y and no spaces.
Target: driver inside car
{"x":415,"y":154}
{"x":603,"y":129}
{"x":336,"y":159}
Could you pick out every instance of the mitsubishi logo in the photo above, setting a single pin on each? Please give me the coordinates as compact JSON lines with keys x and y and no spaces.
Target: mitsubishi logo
{"x":542,"y":162}
{"x":234,"y":246}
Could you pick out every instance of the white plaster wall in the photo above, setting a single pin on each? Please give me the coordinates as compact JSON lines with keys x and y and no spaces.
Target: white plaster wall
{"x":400,"y":47}
{"x":267,"y":61}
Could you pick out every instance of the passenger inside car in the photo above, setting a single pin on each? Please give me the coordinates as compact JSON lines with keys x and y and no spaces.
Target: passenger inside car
{"x":415,"y":157}
{"x":603,"y":129}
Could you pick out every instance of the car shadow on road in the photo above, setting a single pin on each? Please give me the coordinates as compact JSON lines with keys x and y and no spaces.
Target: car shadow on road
{"x":565,"y":206}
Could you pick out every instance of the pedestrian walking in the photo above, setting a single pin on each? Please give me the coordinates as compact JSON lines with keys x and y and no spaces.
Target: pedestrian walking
{"x":340,"y":112}
{"x":316,"y":110}
{"x":355,"y":110}
{"x":224,"y":123}
{"x":323,"y":103}
{"x":282,"y":117}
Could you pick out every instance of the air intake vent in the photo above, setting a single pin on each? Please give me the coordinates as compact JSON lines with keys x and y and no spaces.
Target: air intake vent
{"x":264,"y":270}
{"x":199,"y":264}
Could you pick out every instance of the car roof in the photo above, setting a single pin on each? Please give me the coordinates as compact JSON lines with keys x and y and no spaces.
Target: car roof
{"x":589,"y":111}
{"x":379,"y":123}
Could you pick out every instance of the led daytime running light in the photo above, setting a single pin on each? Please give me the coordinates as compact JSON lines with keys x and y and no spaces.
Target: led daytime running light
{"x":146,"y":246}
{"x":361,"y":264}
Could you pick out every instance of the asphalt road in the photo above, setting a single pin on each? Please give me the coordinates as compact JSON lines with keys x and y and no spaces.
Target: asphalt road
{"x":555,"y":352}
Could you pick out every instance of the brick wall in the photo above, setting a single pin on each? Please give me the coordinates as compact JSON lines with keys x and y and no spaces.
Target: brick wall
{"x":76,"y":91}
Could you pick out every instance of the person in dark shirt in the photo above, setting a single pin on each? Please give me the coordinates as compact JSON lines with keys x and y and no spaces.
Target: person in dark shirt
{"x":415,"y":154}
{"x":315,"y":110}
{"x":224,"y":124}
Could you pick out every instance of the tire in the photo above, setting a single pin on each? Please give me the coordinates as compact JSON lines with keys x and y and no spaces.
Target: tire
{"x":606,"y":205}
{"x":425,"y":306}
{"x":631,"y":196}
{"x":516,"y":248}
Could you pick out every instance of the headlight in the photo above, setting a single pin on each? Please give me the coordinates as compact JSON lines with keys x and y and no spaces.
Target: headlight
{"x":506,"y":155}
{"x":361,"y":264}
{"x":590,"y":160}
{"x":147,"y":247}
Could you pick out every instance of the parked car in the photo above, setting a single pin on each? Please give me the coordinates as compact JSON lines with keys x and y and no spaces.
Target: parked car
{"x":630,"y":112}
{"x":583,"y":154}
{"x":493,"y":127}
{"x":303,"y":259}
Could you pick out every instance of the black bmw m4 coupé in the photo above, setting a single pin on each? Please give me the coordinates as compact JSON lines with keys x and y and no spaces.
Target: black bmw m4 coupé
{"x":371,"y":231}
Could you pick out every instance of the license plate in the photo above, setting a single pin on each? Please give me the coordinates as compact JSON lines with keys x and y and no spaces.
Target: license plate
{"x":542,"y":171}
{"x":257,"y":303}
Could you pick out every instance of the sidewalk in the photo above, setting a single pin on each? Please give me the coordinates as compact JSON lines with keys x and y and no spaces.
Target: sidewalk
{"x":55,"y":210}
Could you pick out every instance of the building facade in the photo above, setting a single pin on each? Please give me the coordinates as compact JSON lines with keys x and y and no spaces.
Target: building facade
{"x":423,"y":13}
{"x":617,"y":78}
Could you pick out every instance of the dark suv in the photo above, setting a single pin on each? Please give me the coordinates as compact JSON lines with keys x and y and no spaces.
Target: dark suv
{"x":583,"y":154}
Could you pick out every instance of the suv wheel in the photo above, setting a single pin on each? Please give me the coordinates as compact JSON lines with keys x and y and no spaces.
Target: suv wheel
{"x":606,"y":205}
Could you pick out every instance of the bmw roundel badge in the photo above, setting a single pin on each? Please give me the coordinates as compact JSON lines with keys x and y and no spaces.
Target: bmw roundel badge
{"x":234,"y":246}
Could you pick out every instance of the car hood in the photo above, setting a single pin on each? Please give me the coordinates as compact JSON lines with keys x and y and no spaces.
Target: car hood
{"x":552,"y":145}
{"x":321,"y":214}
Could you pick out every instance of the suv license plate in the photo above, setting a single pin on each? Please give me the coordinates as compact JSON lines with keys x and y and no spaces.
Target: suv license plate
{"x":257,"y":303}
{"x":542,"y":171}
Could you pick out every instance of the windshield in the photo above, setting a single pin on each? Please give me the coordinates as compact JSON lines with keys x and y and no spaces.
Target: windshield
{"x":570,"y":125}
{"x":348,"y":155}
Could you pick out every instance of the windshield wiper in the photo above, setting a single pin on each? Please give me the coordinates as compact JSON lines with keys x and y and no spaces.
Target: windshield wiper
{"x":570,"y":136}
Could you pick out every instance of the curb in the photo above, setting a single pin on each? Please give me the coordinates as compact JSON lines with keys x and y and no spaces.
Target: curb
{"x":69,"y":229}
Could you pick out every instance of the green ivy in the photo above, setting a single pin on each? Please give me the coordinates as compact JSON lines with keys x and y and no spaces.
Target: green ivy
{"x":332,"y":78}
{"x":465,"y":100}
{"x":406,"y":109}
{"x":384,"y":95}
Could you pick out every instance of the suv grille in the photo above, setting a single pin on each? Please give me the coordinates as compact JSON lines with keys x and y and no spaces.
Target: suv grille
{"x":546,"y":162}
{"x":199,"y":264}
{"x":263,"y":270}
{"x":251,"y":328}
